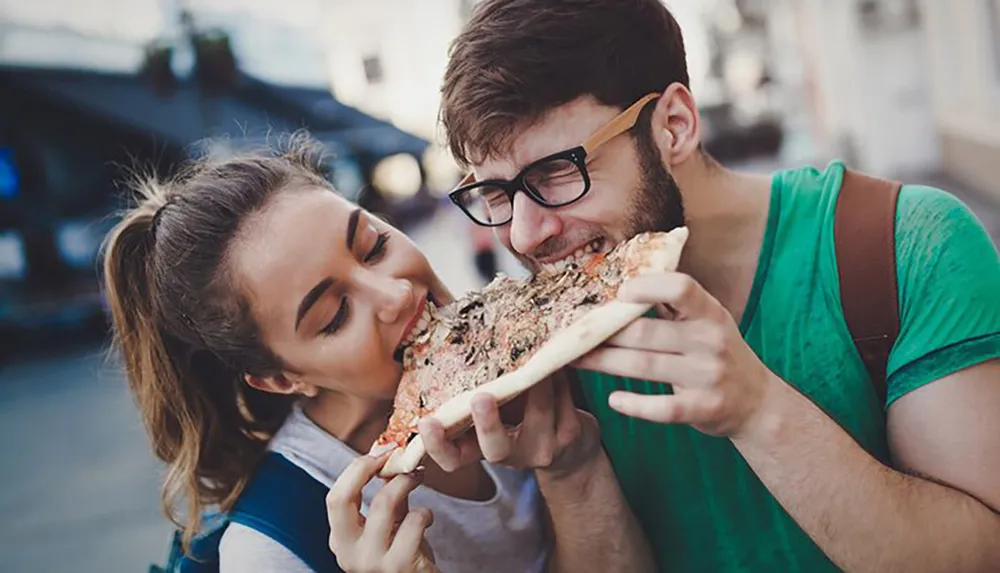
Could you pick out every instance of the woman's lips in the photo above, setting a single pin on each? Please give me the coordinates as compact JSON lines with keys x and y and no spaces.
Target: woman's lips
{"x":414,"y":320}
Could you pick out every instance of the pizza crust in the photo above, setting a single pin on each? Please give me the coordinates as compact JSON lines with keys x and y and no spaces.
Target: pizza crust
{"x":565,"y":346}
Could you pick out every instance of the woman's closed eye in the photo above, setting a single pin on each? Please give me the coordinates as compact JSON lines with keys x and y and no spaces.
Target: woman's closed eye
{"x":378,"y":249}
{"x":339,"y":318}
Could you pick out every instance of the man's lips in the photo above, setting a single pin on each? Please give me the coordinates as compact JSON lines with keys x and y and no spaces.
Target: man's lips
{"x":589,"y":246}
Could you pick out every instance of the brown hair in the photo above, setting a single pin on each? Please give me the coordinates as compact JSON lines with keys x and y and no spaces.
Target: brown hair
{"x":517,"y":59}
{"x":184,"y":329}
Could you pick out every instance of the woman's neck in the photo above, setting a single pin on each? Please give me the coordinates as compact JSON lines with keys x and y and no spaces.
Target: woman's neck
{"x":354,"y":421}
{"x":358,"y":422}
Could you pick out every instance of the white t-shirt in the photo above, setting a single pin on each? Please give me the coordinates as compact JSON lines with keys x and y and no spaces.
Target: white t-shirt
{"x":505,"y":533}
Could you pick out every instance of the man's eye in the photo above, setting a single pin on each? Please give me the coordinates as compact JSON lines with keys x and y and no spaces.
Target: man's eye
{"x":338,"y":319}
{"x":378,"y":249}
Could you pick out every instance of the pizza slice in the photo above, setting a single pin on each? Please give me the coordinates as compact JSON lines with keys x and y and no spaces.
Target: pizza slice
{"x":512,"y":334}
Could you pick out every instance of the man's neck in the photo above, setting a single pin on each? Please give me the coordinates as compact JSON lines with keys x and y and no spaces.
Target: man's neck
{"x":726,"y":213}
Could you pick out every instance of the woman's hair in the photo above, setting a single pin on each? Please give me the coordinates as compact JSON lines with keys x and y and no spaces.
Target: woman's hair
{"x":184,"y":327}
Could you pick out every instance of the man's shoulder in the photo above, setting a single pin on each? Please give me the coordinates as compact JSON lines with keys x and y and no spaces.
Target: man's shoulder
{"x":809,"y":181}
{"x":935,"y":226}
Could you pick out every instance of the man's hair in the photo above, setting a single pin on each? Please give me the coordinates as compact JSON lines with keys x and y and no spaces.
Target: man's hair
{"x":517,"y":59}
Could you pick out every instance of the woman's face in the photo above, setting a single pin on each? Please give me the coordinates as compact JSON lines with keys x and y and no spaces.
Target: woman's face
{"x":334,"y":290}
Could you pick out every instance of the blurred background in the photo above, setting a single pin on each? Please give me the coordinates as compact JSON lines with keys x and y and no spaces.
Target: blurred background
{"x":89,"y":88}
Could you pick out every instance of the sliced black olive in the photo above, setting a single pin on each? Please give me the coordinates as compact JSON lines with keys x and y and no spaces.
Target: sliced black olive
{"x":467,"y":308}
{"x":516,"y":352}
{"x":470,"y":356}
{"x":541,"y":300}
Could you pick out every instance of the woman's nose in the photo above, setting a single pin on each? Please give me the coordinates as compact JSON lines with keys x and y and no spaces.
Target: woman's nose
{"x":392,"y":298}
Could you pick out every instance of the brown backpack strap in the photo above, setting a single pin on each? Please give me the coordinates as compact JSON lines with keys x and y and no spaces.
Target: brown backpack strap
{"x":864,"y":234}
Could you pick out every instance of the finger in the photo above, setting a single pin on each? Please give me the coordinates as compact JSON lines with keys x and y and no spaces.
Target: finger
{"x":387,"y":509}
{"x":663,"y":409}
{"x":448,"y":454}
{"x":567,"y":421}
{"x":343,"y":502}
{"x":653,"y":334}
{"x":494,"y":440}
{"x":535,"y":442}
{"x":641,"y":365}
{"x":675,"y":337}
{"x":406,"y":545}
{"x":681,"y":292}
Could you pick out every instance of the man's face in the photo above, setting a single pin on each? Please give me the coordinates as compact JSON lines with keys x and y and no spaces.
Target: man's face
{"x":631,"y":191}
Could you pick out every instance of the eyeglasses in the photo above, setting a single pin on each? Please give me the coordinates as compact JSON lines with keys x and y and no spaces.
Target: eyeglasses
{"x":552,"y":181}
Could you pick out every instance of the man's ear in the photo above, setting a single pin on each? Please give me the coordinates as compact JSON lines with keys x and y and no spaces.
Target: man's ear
{"x":676,"y":126}
{"x":280,"y":384}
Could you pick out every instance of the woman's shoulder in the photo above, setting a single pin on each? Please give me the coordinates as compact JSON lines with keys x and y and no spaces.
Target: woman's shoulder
{"x":246,"y":550}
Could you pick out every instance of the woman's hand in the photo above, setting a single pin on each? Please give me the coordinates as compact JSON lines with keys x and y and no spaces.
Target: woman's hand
{"x":391,"y":538}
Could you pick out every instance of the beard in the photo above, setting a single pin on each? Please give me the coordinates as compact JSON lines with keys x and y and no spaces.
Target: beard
{"x":657,"y":205}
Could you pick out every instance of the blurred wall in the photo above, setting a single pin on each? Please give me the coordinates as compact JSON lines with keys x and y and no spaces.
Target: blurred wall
{"x":963,"y":45}
{"x":866,"y":81}
{"x":388,"y":57}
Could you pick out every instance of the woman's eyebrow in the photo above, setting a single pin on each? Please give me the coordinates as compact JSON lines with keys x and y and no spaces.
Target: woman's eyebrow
{"x":352,"y":228}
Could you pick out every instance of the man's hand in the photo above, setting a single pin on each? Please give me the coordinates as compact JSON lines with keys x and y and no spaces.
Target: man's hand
{"x":719,"y":384}
{"x":553,"y":436}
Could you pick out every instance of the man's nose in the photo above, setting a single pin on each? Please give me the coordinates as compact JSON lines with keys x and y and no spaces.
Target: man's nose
{"x":390,"y":296}
{"x":531,"y":225}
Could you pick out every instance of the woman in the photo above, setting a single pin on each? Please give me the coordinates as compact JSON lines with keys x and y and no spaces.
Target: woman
{"x":256,"y":310}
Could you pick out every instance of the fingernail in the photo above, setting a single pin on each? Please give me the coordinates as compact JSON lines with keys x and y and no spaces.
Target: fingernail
{"x":480,"y":407}
{"x":615,"y":401}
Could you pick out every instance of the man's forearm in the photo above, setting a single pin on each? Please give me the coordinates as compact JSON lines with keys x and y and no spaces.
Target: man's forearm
{"x":864,"y":515}
{"x":593,"y":526}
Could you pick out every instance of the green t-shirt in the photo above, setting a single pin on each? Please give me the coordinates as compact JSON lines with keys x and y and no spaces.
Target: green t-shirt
{"x":701,"y":506}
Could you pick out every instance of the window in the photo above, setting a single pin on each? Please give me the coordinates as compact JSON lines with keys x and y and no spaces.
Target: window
{"x":373,"y":69}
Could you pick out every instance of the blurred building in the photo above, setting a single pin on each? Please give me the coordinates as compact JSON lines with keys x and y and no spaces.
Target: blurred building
{"x":963,"y":60}
{"x":860,"y":70}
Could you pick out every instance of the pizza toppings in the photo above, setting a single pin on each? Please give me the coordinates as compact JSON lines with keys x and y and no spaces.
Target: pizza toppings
{"x":496,"y":330}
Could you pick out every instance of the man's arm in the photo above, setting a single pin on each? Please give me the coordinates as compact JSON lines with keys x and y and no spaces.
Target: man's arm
{"x":869,"y":517}
{"x":592,"y":525}
{"x":593,"y":528}
{"x":864,"y":515}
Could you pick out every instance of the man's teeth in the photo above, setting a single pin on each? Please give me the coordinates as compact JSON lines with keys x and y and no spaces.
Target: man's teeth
{"x":577,"y":258}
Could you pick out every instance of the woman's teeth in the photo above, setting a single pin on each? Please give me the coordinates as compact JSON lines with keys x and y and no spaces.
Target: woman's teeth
{"x":580,"y":256}
{"x":421,"y":326}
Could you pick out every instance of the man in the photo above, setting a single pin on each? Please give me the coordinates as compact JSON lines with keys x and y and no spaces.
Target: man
{"x":739,"y":421}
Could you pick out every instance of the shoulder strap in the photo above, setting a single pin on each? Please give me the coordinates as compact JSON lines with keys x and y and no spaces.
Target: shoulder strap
{"x":864,"y":234}
{"x":288,"y":505}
